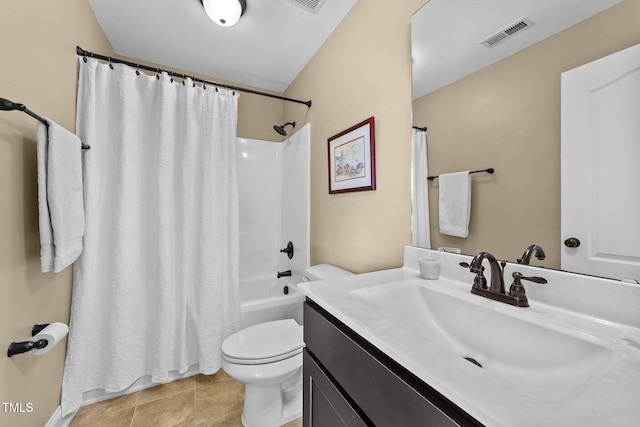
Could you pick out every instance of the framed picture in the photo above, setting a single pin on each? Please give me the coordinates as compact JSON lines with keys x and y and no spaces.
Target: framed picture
{"x":352,"y":159}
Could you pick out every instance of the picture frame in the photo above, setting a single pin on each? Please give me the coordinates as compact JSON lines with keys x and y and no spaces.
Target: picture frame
{"x":352,"y":158}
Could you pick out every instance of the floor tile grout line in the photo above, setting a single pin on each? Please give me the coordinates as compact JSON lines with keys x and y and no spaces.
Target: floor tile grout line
{"x":194,"y":400}
{"x":163,"y":396}
{"x":135,"y":408}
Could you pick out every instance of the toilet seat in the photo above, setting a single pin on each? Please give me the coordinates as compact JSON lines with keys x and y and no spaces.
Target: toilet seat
{"x":264,"y":343}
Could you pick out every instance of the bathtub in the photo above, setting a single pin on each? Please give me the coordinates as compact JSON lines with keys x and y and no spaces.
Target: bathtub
{"x":263,"y":300}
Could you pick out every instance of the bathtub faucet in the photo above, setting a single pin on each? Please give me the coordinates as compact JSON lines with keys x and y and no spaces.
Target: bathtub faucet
{"x":284,"y":273}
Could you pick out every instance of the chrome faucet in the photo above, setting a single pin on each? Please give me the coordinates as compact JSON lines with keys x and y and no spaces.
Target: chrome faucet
{"x":496,"y":290}
{"x":531,"y":250}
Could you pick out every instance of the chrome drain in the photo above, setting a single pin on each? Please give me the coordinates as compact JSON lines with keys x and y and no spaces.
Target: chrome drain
{"x":474,"y":361}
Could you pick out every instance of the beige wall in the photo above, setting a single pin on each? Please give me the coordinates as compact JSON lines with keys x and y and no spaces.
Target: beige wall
{"x":39,"y":69}
{"x":507,"y":116}
{"x":362,"y":70}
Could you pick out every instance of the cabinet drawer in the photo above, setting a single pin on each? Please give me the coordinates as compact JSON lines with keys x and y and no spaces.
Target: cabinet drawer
{"x":386,"y":392}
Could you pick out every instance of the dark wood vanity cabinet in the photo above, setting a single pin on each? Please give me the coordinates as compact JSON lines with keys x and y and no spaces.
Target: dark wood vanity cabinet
{"x":349,"y":382}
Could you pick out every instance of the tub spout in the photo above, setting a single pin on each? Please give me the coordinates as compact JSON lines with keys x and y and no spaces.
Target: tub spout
{"x":284,"y":273}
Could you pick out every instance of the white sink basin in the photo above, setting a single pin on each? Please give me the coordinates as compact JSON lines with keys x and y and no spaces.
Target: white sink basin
{"x":532,"y":354}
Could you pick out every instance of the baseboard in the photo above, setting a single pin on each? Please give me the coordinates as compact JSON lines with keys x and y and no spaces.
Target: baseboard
{"x":56,"y":419}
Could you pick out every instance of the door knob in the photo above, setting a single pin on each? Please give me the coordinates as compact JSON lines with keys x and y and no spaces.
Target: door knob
{"x":572,"y":242}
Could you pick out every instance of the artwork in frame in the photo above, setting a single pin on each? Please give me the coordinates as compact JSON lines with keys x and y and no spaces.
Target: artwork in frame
{"x":352,"y":159}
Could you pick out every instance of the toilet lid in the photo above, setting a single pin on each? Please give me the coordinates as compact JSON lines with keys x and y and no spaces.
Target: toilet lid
{"x":270,"y":340}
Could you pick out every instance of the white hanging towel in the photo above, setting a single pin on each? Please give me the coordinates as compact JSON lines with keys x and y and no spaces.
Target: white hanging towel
{"x":455,"y":203}
{"x":60,"y":198}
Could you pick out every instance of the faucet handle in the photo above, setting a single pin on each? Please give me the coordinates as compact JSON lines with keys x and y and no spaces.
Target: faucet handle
{"x":471,"y":268}
{"x":518,"y":292}
{"x":536,"y":279}
{"x":479,"y":281}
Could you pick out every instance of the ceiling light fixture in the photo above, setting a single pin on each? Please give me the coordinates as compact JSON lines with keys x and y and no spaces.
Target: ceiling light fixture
{"x":224,"y":12}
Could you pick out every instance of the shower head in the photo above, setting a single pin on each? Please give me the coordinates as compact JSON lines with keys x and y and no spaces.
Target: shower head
{"x":280,"y":129}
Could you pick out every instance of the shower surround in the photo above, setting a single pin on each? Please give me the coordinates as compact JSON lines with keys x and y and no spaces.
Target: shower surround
{"x":273,"y":193}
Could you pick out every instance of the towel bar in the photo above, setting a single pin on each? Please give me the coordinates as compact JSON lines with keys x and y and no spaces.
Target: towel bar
{"x":6,"y":105}
{"x":489,"y":170}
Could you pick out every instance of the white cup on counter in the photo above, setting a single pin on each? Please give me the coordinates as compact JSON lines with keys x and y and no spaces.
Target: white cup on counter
{"x":429,"y":268}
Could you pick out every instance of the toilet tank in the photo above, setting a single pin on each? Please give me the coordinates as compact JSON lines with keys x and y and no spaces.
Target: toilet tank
{"x":324,"y":272}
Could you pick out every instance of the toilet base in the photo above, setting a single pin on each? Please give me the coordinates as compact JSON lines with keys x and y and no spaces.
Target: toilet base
{"x":272,"y":405}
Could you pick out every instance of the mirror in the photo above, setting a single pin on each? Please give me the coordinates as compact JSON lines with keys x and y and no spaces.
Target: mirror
{"x":500,"y":107}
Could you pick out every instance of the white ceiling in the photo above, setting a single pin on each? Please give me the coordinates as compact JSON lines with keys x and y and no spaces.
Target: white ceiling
{"x":267,"y":48}
{"x":446,"y":34}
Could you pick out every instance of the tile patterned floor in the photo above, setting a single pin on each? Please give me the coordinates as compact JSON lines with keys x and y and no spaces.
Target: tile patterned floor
{"x":199,"y":401}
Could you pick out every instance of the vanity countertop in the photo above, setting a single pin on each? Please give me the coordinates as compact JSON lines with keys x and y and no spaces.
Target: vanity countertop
{"x":608,"y":396}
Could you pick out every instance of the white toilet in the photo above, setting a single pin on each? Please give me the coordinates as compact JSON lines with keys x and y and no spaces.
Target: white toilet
{"x":267,"y":358}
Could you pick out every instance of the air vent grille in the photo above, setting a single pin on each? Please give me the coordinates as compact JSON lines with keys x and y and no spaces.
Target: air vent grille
{"x":511,"y":30}
{"x":495,"y":39}
{"x":515,"y":28}
{"x":309,"y":5}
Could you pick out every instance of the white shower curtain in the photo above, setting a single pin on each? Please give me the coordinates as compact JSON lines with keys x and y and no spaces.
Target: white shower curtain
{"x":155,"y":291}
{"x":420,"y":232}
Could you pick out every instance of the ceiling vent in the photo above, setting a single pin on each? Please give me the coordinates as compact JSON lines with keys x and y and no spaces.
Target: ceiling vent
{"x":312,"y":6}
{"x":510,"y":31}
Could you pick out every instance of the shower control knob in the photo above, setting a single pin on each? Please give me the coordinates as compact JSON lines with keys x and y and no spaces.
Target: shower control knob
{"x":288,"y":250}
{"x":572,"y":242}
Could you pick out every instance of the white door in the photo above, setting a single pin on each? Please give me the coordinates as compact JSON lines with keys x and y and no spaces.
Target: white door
{"x":601,"y":167}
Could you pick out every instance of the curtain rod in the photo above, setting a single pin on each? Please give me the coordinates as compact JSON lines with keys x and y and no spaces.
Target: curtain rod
{"x":490,"y":171}
{"x":82,"y":52}
{"x":423,"y":129}
{"x":6,"y":105}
